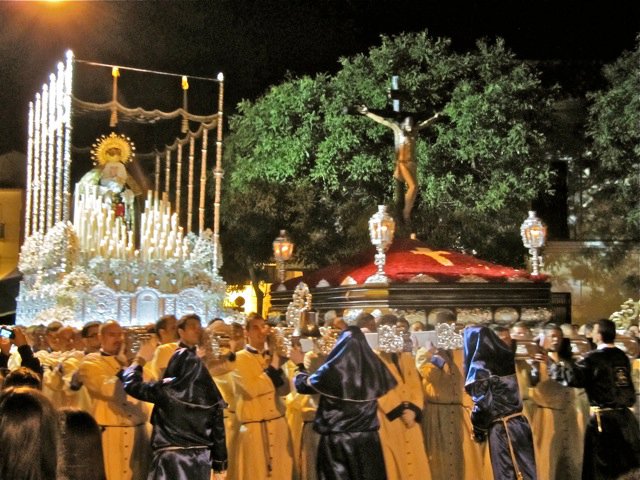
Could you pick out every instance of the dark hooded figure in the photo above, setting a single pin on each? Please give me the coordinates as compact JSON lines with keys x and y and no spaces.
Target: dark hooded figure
{"x":497,"y":411}
{"x":188,"y":439}
{"x":349,"y":383}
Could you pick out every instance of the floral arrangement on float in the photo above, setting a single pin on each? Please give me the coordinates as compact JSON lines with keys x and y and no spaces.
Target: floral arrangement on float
{"x":629,"y":314}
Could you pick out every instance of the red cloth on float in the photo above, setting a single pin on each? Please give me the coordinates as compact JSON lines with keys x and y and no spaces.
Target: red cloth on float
{"x":407,"y":258}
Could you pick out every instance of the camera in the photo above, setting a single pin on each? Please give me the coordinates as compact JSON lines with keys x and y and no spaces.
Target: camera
{"x":6,"y":332}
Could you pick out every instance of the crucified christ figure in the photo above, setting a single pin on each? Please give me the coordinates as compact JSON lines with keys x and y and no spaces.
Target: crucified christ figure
{"x":405,"y":131}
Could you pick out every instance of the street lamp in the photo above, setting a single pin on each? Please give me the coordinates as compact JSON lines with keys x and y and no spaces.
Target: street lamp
{"x":534,"y":236}
{"x":282,"y":251}
{"x":381,"y":230}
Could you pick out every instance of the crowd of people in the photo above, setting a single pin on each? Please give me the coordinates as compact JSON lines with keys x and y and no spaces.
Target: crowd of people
{"x":227,"y":401}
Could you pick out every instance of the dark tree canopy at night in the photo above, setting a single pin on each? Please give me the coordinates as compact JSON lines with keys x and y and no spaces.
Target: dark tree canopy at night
{"x":320,"y":173}
{"x":613,"y":126}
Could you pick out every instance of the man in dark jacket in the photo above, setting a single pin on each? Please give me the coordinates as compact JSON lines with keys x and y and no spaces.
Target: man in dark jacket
{"x":188,"y":437}
{"x":612,"y":437}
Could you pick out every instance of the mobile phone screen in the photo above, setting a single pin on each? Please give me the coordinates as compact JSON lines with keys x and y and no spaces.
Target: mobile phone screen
{"x":6,"y":332}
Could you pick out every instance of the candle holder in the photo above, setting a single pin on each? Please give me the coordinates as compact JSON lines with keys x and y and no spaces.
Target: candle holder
{"x":381,"y":229}
{"x":534,"y":236}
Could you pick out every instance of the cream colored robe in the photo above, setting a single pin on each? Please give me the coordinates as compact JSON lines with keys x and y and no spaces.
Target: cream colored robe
{"x":557,"y":437}
{"x":263,"y":438}
{"x":224,"y":381}
{"x":446,"y":424}
{"x":405,"y":457}
{"x":125,"y":440}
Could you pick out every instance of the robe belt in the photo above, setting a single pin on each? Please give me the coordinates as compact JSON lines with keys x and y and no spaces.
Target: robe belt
{"x":173,"y":448}
{"x":598,"y":410}
{"x":265,"y":440}
{"x":504,"y":421}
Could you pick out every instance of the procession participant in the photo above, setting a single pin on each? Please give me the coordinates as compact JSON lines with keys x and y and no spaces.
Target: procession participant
{"x":400,"y":414}
{"x":555,"y":419}
{"x":497,"y":412}
{"x":306,"y":458}
{"x":221,"y":369}
{"x":125,"y":441}
{"x":446,"y":425}
{"x":61,"y":383}
{"x":22,"y":351}
{"x":612,"y":437}
{"x":49,"y":357}
{"x":188,"y":438}
{"x":90,"y":334}
{"x":349,"y":383}
{"x":167,"y":335}
{"x":263,"y":441}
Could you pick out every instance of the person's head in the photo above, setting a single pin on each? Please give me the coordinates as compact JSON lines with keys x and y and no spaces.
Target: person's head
{"x":408,"y":124}
{"x":366,"y":322}
{"x":36,"y":336}
{"x":51,"y":335}
{"x":329,"y":317}
{"x":552,"y":337}
{"x":22,"y":377}
{"x":167,"y":329}
{"x":336,"y":322}
{"x":111,"y":337}
{"x":115,"y":171}
{"x":521,"y":331}
{"x":66,"y":336}
{"x":257,"y":331}
{"x":504,"y":334}
{"x":91,"y":336}
{"x":28,"y":435}
{"x":216,"y":320}
{"x":567,"y":330}
{"x":388,"y":319}
{"x":417,"y":326}
{"x":190,"y":329}
{"x":604,"y":331}
{"x":80,"y":446}
{"x":445,"y":316}
{"x":237,"y":335}
{"x":586,"y":330}
{"x":402,"y":324}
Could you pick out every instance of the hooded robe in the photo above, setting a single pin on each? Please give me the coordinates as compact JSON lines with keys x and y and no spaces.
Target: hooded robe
{"x":349,"y":383}
{"x":497,"y":411}
{"x":188,"y":439}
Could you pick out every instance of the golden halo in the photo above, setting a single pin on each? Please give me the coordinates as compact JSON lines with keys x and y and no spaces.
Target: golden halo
{"x":114,"y":148}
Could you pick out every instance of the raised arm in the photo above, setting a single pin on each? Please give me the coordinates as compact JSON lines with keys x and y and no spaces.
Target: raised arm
{"x":427,"y":122}
{"x":373,"y":115}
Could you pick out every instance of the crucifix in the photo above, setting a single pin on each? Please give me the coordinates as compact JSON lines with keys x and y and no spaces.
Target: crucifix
{"x":405,"y":127}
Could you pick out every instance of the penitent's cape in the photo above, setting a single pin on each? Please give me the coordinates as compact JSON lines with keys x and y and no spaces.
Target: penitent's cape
{"x":188,"y":431}
{"x":352,"y":371}
{"x":349,"y":383}
{"x":497,"y":407}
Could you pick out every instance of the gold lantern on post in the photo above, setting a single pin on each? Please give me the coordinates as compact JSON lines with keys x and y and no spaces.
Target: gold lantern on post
{"x":282,"y":251}
{"x":382,"y":227}
{"x":534,"y":236}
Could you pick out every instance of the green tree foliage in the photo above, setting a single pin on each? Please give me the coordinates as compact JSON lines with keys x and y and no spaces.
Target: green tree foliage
{"x":295,"y":160}
{"x":613,"y":125}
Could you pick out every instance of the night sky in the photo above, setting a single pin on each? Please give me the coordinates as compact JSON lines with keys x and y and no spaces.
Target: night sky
{"x":255,"y":43}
